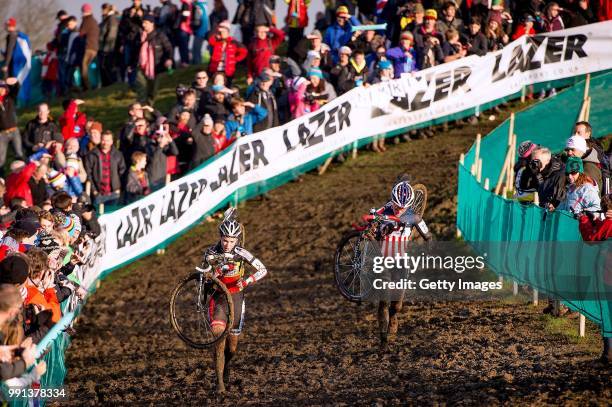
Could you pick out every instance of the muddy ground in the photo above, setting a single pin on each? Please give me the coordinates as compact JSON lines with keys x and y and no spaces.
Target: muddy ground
{"x":303,"y":343}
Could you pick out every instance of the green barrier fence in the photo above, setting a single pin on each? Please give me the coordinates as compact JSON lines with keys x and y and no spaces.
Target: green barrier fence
{"x":483,"y":216}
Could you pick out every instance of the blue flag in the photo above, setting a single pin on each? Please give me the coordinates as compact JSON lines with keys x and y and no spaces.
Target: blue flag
{"x":22,"y":64}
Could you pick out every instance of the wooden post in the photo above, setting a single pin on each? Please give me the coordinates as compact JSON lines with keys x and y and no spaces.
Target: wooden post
{"x":587,"y":109}
{"x":523,"y":94}
{"x":514,"y":288}
{"x":505,"y":192}
{"x":323,"y":168}
{"x":511,"y":165}
{"x":479,"y":170}
{"x":502,"y":173}
{"x":477,"y":155}
{"x":587,"y":85}
{"x":582,"y":328}
{"x":535,"y":296}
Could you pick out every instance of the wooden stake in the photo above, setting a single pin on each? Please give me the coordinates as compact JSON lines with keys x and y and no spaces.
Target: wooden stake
{"x":477,"y":155}
{"x":587,"y":85}
{"x":535,"y":296}
{"x":502,"y":173}
{"x":582,"y":328}
{"x":505,"y":192}
{"x":587,"y":109}
{"x":511,"y":166}
{"x":523,"y":94}
{"x":514,"y":288}
{"x":479,"y":170}
{"x":323,"y":168}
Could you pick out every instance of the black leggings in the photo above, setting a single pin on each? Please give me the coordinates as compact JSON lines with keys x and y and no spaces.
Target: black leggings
{"x":219,"y":311}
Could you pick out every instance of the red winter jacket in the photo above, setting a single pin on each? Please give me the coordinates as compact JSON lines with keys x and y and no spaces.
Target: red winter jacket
{"x":595,"y":231}
{"x":72,"y":122}
{"x":520,"y":31}
{"x":17,"y":185}
{"x":297,"y":13}
{"x":235,"y":52}
{"x":260,"y":51}
{"x":220,"y":141}
{"x":604,"y":10}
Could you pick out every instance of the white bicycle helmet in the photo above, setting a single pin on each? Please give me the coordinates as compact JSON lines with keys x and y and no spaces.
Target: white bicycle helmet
{"x":402,"y":194}
{"x":230,"y":226}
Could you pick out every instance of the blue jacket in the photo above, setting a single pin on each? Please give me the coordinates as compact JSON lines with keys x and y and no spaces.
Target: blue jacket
{"x":256,"y":115}
{"x":201,"y":31}
{"x":336,"y":36}
{"x":73,"y":186}
{"x":402,"y":63}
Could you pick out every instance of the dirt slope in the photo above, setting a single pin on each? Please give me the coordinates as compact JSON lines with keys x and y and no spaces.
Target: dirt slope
{"x":303,"y":343}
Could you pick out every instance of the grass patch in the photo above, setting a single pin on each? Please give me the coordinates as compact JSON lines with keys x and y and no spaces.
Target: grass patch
{"x":568,"y":329}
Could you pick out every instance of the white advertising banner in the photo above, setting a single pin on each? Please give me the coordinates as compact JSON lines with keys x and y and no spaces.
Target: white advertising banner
{"x":361,"y":113}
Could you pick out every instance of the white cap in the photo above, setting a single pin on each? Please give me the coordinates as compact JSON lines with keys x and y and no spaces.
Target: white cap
{"x":577,"y":143}
{"x":207,"y":119}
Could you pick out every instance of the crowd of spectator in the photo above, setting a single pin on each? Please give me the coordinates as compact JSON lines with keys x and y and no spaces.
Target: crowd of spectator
{"x":578,"y":180}
{"x":65,"y":168}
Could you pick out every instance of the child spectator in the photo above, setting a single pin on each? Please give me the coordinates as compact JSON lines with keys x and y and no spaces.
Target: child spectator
{"x":240,"y":123}
{"x":403,"y":57}
{"x":68,"y":182}
{"x":137,"y":182}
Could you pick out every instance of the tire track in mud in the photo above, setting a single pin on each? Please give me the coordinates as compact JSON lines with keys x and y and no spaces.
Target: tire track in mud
{"x":303,"y":343}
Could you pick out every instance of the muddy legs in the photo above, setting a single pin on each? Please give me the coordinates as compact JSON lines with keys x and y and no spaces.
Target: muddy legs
{"x":219,"y":360}
{"x":230,"y":351}
{"x":388,"y":322}
{"x":223,"y":353}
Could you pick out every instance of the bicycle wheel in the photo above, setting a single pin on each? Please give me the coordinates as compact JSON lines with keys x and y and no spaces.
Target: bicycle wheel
{"x":350,"y":260}
{"x":191,"y":306}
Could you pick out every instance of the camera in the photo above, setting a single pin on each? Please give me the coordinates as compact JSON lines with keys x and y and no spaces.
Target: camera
{"x":535,"y":165}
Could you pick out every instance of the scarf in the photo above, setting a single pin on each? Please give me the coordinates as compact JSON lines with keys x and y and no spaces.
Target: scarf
{"x":147,"y":57}
{"x":358,"y":68}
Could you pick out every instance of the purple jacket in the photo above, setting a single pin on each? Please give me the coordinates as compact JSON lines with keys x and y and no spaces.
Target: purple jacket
{"x":402,"y":63}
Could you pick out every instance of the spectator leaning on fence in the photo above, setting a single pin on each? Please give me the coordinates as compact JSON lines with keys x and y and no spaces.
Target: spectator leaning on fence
{"x":582,"y":194}
{"x":576,"y":146}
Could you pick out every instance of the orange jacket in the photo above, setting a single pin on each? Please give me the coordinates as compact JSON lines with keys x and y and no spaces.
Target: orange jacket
{"x":46,"y":300}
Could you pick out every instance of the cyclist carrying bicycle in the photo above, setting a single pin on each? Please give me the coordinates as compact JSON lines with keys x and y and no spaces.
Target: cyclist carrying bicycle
{"x":232,"y":274}
{"x":395,"y":233}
